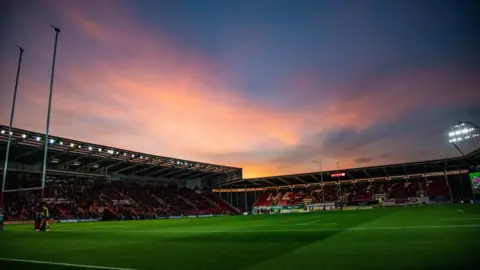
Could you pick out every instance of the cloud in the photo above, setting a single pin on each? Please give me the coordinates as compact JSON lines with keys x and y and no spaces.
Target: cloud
{"x":123,"y":83}
{"x":364,"y":160}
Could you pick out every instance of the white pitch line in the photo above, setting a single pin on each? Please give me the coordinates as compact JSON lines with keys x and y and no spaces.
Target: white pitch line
{"x":450,"y":219}
{"x":282,"y":230}
{"x":65,"y":264}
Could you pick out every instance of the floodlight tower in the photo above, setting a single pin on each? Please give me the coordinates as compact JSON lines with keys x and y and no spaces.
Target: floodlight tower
{"x":461,"y":131}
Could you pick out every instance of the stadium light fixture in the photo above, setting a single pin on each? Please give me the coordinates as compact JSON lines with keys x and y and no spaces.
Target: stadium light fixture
{"x":61,"y":143}
{"x":72,"y":145}
{"x":38,"y":139}
{"x":3,"y":131}
{"x":461,"y":132}
{"x":99,"y":149}
{"x":24,"y":136}
{"x":11,"y":133}
{"x":52,"y":141}
{"x":89,"y":148}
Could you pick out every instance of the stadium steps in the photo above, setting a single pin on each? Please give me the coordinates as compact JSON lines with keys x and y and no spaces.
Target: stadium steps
{"x":228,"y":204}
{"x":187,"y":201}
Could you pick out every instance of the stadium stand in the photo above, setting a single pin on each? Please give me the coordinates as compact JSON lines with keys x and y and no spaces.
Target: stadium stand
{"x":434,"y":180}
{"x":87,"y":180}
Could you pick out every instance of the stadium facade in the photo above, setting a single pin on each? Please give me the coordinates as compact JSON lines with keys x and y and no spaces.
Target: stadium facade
{"x":89,"y":160}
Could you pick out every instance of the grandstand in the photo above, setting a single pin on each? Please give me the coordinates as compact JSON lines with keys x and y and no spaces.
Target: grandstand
{"x":442,"y":180}
{"x":88,"y":180}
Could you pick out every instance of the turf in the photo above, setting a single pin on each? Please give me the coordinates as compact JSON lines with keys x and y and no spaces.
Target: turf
{"x":427,"y":237}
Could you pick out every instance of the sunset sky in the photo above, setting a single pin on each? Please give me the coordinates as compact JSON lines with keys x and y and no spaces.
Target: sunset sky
{"x":272,"y":86}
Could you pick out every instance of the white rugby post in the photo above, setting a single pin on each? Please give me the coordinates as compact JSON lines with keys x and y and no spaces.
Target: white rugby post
{"x":45,"y":154}
{"x":12,"y":113}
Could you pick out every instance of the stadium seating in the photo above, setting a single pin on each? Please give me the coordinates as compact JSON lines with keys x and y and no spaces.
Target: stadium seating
{"x":69,"y":199}
{"x":399,"y":190}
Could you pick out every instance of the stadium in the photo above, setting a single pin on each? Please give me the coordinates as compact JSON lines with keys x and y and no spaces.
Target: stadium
{"x":181,"y":214}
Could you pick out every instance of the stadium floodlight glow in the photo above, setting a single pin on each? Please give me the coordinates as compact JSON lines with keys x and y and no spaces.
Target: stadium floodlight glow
{"x":99,"y":149}
{"x":24,"y":136}
{"x":79,"y":146}
{"x":133,"y":155}
{"x":89,"y":148}
{"x":72,"y":145}
{"x":38,"y":139}
{"x":116,"y":153}
{"x":3,"y":131}
{"x":11,"y":133}
{"x":124,"y":154}
{"x":463,"y":131}
{"x":52,"y":141}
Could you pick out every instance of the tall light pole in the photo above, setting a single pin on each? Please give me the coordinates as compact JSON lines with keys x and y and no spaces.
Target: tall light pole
{"x":12,"y":113}
{"x":45,"y":154}
{"x":462,"y":131}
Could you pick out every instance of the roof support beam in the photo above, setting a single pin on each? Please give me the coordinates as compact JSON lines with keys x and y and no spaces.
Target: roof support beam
{"x":186,"y":173}
{"x":92,"y":163}
{"x":27,"y":153}
{"x":253,"y":183}
{"x":386,"y":173}
{"x":268,"y":181}
{"x":144,"y":169}
{"x":158,"y":171}
{"x":70,"y":161}
{"x":283,"y":181}
{"x":127,"y":168}
{"x":315,"y":178}
{"x":299,"y":179}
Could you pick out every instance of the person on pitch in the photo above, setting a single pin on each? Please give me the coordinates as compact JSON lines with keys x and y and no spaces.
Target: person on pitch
{"x":44,"y":226}
{"x":1,"y":218}
{"x":38,"y":218}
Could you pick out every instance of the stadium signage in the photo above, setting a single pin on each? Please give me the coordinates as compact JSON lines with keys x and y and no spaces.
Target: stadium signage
{"x":337,"y":174}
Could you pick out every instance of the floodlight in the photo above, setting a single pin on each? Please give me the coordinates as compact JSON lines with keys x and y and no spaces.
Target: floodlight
{"x":99,"y":149}
{"x":463,"y":131}
{"x":24,"y":136}
{"x":141,"y":157}
{"x":3,"y":131}
{"x":124,"y":154}
{"x":11,"y":133}
{"x":116,"y":153}
{"x":72,"y":145}
{"x":61,"y":143}
{"x":38,"y":139}
{"x":133,"y":155}
{"x":79,"y":146}
{"x":51,"y":140}
{"x":89,"y":148}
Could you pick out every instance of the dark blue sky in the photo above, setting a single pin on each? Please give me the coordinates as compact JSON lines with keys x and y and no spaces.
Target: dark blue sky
{"x":283,"y":83}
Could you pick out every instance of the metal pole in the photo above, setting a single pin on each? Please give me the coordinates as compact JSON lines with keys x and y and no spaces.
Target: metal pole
{"x":12,"y":113}
{"x":246,"y":206}
{"x":45,"y":154}
{"x":446,"y":176}
{"x":338,"y":179}
{"x":321,"y":180}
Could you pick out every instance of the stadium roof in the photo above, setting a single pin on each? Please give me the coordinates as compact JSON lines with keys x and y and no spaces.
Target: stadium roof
{"x":428,"y":168}
{"x":82,"y":158}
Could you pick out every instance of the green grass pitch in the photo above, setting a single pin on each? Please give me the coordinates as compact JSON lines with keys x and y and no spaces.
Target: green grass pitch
{"x":426,"y":237}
